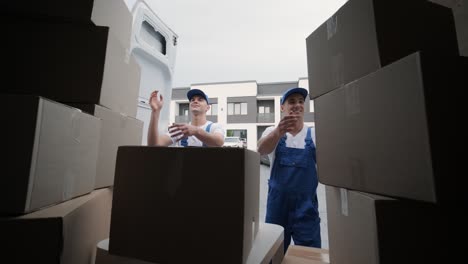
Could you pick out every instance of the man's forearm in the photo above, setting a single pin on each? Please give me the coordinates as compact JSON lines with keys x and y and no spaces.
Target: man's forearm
{"x":211,"y":140}
{"x":153,"y":132}
{"x":267,"y":144}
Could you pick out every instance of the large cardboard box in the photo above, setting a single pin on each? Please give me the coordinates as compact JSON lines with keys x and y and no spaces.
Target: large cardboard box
{"x":66,"y":233}
{"x":70,"y":63}
{"x":49,"y":153}
{"x":117,"y":130}
{"x":365,"y":228}
{"x":396,"y":132}
{"x":75,"y":10}
{"x":364,"y":35}
{"x":199,"y":199}
{"x":460,"y":12}
{"x":111,"y":13}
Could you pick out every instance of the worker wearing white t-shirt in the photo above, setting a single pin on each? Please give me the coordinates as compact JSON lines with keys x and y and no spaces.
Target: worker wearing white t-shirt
{"x":199,"y":132}
{"x":292,"y":188}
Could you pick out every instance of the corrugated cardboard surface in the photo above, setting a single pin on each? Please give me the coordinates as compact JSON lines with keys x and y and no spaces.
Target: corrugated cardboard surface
{"x":364,"y":35}
{"x":115,"y":15}
{"x":77,"y":11}
{"x":365,"y":228}
{"x":394,"y":132}
{"x":117,"y":130}
{"x":63,"y":67}
{"x":60,"y":65}
{"x":64,"y":233}
{"x":195,"y":197}
{"x":59,"y":161}
{"x":460,"y":12}
{"x":121,"y":79}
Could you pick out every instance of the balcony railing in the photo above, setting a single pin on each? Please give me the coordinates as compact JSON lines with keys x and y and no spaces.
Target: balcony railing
{"x":182,"y":119}
{"x":186,"y":119}
{"x":266,"y":118}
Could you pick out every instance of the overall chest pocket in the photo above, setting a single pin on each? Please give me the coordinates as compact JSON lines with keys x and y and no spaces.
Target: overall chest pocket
{"x":293,"y":159}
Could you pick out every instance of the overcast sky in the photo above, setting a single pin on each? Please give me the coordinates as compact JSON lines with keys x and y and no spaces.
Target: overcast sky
{"x":238,"y":40}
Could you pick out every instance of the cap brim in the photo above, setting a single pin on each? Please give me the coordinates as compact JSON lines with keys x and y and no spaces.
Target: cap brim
{"x":298,"y":90}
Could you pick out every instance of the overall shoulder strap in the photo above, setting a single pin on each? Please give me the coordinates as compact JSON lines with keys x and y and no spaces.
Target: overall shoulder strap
{"x":184,"y":142}
{"x":308,"y":138}
{"x":208,"y":127}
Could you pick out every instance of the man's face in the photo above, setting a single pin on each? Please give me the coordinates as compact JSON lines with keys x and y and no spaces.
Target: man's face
{"x":294,"y":105}
{"x":198,"y":104}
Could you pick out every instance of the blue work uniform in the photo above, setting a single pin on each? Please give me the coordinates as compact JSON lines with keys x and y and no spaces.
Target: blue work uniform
{"x":292,"y":197}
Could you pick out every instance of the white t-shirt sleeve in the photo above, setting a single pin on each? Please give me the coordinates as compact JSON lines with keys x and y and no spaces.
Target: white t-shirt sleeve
{"x":267,"y":131}
{"x":271,"y":155}
{"x":217,"y":128}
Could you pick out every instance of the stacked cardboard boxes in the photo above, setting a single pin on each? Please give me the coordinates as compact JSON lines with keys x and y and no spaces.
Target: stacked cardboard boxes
{"x":386,"y":77}
{"x":61,"y":55}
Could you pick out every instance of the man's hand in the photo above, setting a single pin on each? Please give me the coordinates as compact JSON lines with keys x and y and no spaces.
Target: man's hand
{"x":287,"y":124}
{"x":180,"y":131}
{"x":156,"y":102}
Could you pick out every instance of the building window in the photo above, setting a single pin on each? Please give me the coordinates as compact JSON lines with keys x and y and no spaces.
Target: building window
{"x":263,"y":109}
{"x":213,"y":110}
{"x":183,"y":109}
{"x":243,"y":108}
{"x":237,"y":108}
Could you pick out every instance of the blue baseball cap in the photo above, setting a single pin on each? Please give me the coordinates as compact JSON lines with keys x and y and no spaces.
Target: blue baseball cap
{"x":298,"y":90}
{"x":193,"y":92}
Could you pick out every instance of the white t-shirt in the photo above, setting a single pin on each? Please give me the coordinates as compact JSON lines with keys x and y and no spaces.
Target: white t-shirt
{"x":297,"y":141}
{"x":194,"y":141}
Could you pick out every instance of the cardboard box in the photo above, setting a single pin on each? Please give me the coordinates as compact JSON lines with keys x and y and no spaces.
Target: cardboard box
{"x":365,"y":228}
{"x":306,"y":255}
{"x":76,"y":11}
{"x":395,"y":132}
{"x":201,"y":199}
{"x":50,"y":153}
{"x":117,"y":130}
{"x":66,"y":233}
{"x":364,"y":35}
{"x":70,"y":63}
{"x":460,"y":13}
{"x":110,"y":13}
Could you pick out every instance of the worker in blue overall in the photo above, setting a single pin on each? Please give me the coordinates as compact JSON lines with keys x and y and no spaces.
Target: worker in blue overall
{"x":292,"y":188}
{"x":199,"y":132}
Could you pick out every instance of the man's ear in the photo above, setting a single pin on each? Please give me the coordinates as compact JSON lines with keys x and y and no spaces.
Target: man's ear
{"x":282,"y":108}
{"x":208,"y":108}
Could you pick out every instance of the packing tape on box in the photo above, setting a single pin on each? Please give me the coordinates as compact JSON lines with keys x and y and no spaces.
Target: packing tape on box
{"x":76,"y":124}
{"x":344,"y":202}
{"x":356,"y":171}
{"x":332,"y":26}
{"x":68,"y":184}
{"x":337,"y":67}
{"x":352,"y":97}
{"x":123,"y":121}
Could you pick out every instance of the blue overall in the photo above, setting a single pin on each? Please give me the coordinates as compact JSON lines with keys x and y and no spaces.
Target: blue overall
{"x":292,"y":198}
{"x":184,"y":141}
